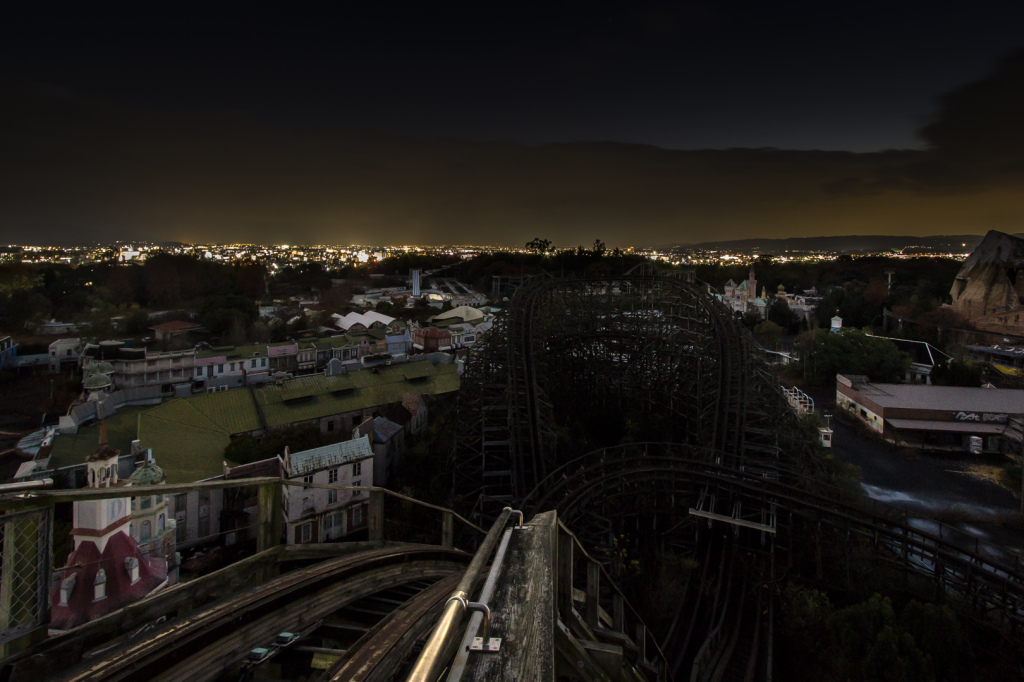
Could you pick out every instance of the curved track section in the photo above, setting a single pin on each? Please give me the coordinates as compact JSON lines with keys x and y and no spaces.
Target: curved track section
{"x":202,"y":645}
{"x":669,"y":475}
{"x":641,"y":348}
{"x":383,"y":652}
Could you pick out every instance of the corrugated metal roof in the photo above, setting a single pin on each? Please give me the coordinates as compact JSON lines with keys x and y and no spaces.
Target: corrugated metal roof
{"x":962,"y":427}
{"x":952,"y":398}
{"x":354,"y":391}
{"x":301,"y":387}
{"x":188,"y":435}
{"x":72,"y":448}
{"x":330,"y":456}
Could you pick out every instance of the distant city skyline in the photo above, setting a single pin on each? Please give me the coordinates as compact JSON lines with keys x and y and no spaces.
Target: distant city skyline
{"x":664,"y":122}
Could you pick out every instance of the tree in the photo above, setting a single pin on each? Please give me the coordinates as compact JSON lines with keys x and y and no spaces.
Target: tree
{"x":868,"y":644}
{"x":823,"y":354}
{"x":956,"y":373}
{"x":538,"y":245}
{"x":136,"y":323}
{"x":779,"y":312}
{"x":768,"y":334}
{"x":599,"y":248}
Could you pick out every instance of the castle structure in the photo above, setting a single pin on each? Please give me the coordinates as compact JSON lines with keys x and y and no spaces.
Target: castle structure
{"x":989,"y":289}
{"x":107,"y":567}
{"x":742,"y":297}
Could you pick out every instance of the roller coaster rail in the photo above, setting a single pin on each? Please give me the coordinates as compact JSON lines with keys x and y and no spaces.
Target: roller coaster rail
{"x":579,"y":352}
{"x":986,"y":580}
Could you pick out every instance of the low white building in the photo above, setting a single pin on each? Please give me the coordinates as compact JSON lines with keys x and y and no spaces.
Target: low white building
{"x":324,"y":514}
{"x":65,"y":351}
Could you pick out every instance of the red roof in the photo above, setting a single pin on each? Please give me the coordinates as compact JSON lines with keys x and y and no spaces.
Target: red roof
{"x":81,"y":608}
{"x":175,"y":326}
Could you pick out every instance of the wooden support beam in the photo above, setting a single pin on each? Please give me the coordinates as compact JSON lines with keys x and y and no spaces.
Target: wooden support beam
{"x":618,"y":613}
{"x":566,"y":545}
{"x":375,"y":518}
{"x":593,"y":592}
{"x":448,"y":530}
{"x":271,"y":515}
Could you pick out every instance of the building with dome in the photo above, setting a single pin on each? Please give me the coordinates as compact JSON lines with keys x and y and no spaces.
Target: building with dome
{"x":153,"y":526}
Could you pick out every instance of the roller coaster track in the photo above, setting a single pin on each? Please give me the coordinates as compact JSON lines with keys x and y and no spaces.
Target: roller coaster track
{"x":646,"y":341}
{"x":990,"y":590}
{"x":204,"y":644}
{"x":606,"y":344}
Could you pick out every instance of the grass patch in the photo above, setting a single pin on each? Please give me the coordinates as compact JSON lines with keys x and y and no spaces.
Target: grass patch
{"x":1009,"y":477}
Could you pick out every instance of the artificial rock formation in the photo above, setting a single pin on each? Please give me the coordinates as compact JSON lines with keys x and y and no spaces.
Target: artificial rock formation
{"x":989,"y":289}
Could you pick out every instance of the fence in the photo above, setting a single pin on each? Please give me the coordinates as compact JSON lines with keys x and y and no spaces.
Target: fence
{"x":27,"y":538}
{"x":24,"y":573}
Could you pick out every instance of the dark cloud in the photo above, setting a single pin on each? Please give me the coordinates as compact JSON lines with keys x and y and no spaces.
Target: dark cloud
{"x":72,"y":169}
{"x":981,"y":124}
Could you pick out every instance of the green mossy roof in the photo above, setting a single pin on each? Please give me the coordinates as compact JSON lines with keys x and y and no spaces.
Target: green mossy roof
{"x":72,"y":448}
{"x":188,"y":435}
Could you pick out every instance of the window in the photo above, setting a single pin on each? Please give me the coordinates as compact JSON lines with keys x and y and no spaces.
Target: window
{"x":220,"y":369}
{"x":252,"y":363}
{"x":306,"y":532}
{"x":307,"y":479}
{"x":199,"y":371}
{"x":357,"y":515}
{"x":67,"y":586}
{"x":147,"y":531}
{"x":332,"y":496}
{"x":357,"y":493}
{"x":328,"y":521}
{"x":158,"y":499}
{"x":232,"y":366}
{"x":332,"y":476}
{"x":99,"y":586}
{"x":330,"y":426}
{"x":131,"y":567}
{"x":263,"y":362}
{"x":147,"y":501}
{"x":357,"y":469}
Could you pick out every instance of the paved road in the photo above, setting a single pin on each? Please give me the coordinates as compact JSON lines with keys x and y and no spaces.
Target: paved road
{"x":924,"y":482}
{"x":929,"y":484}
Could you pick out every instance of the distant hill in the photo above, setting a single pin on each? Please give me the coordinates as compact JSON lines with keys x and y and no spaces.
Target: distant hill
{"x":961,"y":243}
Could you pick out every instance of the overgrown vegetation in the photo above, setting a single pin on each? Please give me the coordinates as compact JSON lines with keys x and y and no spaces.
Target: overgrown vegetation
{"x":824,"y":354}
{"x":869,"y":640}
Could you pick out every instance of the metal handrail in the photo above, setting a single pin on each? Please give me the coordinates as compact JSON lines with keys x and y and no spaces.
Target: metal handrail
{"x":22,"y":486}
{"x":437,"y":651}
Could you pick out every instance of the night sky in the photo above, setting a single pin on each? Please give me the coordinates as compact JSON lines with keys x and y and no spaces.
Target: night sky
{"x":636,"y":123}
